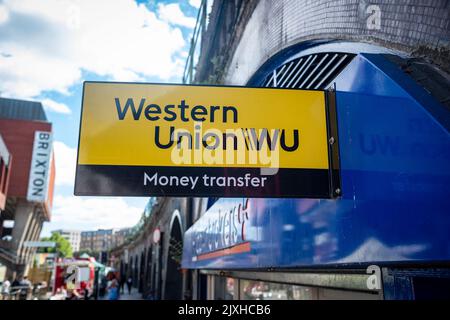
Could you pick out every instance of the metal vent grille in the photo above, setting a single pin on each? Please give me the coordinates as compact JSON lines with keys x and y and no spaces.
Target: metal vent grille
{"x":315,"y":71}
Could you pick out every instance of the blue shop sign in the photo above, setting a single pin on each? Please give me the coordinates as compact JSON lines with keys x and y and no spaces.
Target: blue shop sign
{"x":395,"y":177}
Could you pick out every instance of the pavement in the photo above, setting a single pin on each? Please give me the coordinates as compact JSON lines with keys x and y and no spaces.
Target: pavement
{"x":134,"y":295}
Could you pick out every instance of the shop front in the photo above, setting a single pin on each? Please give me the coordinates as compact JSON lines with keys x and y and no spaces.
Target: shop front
{"x":385,"y":236}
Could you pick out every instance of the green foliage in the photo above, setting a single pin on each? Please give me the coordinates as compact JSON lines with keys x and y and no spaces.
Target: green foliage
{"x":218,"y":70}
{"x":176,"y":250}
{"x":63,"y":247}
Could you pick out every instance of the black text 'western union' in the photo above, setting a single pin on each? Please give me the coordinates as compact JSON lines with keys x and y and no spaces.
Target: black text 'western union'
{"x":253,"y":138}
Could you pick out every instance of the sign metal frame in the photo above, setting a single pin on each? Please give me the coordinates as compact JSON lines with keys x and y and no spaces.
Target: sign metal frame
{"x":334,"y":183}
{"x":333,"y":144}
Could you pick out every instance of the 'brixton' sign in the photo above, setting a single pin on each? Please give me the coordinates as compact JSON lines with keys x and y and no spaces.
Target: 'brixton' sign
{"x":40,"y":166}
{"x":186,"y":140}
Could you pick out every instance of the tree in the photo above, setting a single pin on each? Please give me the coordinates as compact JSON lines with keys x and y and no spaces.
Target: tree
{"x":63,"y":248}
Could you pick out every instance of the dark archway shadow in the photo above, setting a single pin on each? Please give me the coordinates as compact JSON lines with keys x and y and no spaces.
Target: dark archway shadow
{"x":174,"y":277}
{"x":142,"y":272}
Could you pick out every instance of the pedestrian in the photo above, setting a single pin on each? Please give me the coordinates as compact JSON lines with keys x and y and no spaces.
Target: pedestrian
{"x":26,"y":283}
{"x":103,"y":286}
{"x":6,"y":286}
{"x":113,"y":290}
{"x":15,"y":282}
{"x":129,"y":283}
{"x":72,"y":294}
{"x":122,"y":281}
{"x":85,"y":290}
{"x":60,"y":294}
{"x":25,"y":292}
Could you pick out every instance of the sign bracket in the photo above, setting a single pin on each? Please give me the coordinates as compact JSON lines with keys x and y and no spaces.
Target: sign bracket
{"x":333,"y":143}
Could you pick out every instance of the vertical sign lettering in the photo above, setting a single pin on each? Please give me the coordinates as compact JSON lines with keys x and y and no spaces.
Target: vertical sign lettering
{"x":40,"y":166}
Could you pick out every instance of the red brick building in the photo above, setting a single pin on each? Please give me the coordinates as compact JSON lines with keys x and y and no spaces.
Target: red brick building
{"x":26,"y":134}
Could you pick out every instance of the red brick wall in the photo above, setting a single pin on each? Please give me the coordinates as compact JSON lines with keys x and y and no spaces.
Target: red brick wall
{"x":19,"y":137}
{"x":4,"y":180}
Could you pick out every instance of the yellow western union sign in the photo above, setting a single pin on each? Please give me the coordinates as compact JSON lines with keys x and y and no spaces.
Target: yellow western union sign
{"x":181,"y":140}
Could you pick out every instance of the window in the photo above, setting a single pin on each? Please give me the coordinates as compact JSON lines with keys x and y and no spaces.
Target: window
{"x":226,"y":288}
{"x":259,"y":290}
{"x":315,"y":71}
{"x":3,"y":176}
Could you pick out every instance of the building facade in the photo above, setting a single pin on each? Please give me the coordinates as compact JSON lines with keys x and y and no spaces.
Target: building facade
{"x":102,"y":239}
{"x":96,"y":241}
{"x":120,"y":236}
{"x":5,"y":168}
{"x":28,"y":138}
{"x":386,"y":66}
{"x":152,"y":256}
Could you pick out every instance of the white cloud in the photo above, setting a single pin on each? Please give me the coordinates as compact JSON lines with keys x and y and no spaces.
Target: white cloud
{"x":172,"y":13}
{"x":86,"y":213}
{"x":195,"y":3}
{"x":45,"y":45}
{"x":93,"y":213}
{"x":25,"y":75}
{"x":4,"y":14}
{"x":65,"y":161}
{"x":184,"y":54}
{"x":54,"y":106}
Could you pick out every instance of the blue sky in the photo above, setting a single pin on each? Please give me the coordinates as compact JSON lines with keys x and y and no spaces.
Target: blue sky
{"x":49,"y":47}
